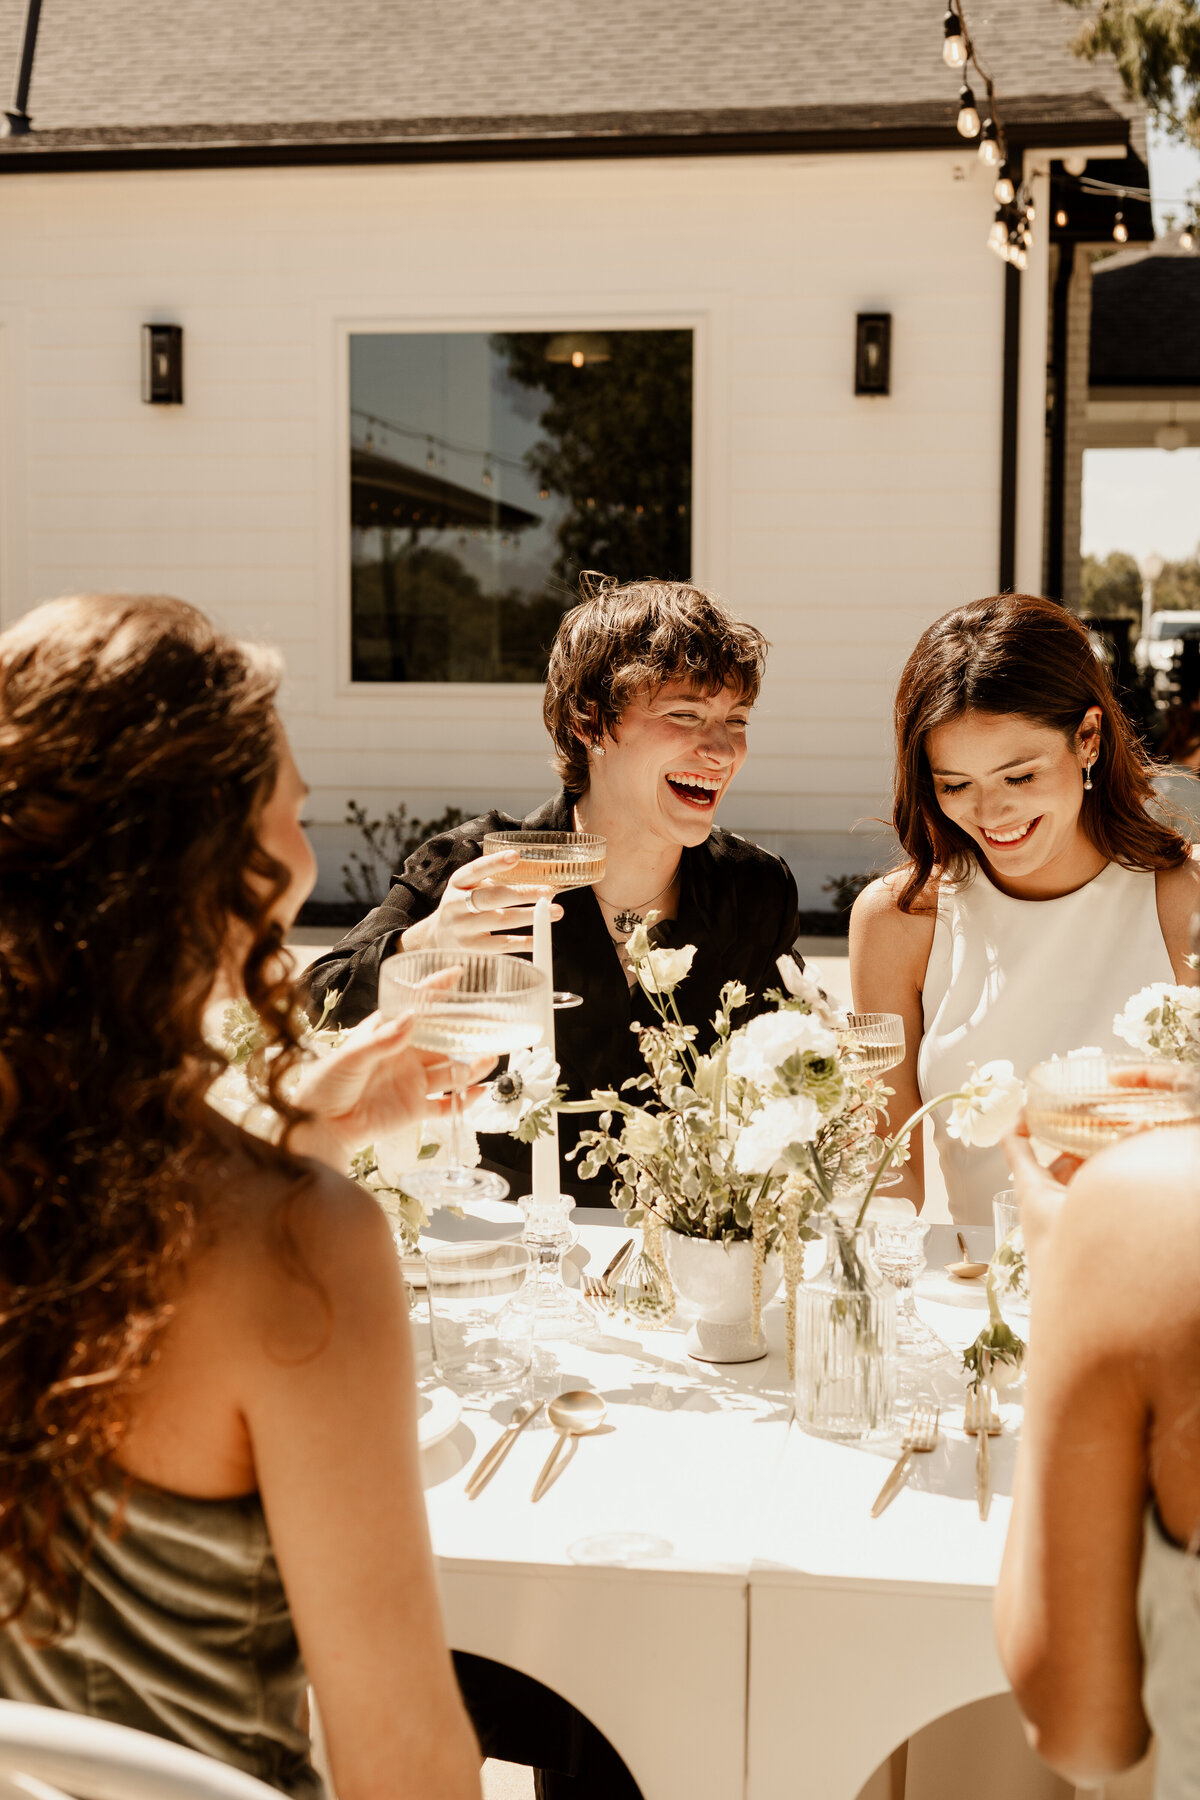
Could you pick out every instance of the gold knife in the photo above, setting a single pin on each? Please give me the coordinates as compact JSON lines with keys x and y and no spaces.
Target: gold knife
{"x":491,"y":1460}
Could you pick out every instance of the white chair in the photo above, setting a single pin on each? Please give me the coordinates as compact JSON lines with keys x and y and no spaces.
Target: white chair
{"x":46,"y":1754}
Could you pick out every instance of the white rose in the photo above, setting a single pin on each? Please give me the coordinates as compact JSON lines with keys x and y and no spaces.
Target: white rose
{"x":988,"y":1107}
{"x":794,"y":1119}
{"x":661,"y":970}
{"x":766,"y":1043}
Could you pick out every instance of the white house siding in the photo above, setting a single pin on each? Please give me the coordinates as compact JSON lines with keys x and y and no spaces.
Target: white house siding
{"x":840,"y":526}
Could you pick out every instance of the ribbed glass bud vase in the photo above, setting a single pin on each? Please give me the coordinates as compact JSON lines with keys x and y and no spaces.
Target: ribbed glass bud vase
{"x":845,"y":1341}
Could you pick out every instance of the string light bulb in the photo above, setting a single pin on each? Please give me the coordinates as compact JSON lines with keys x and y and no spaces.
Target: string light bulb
{"x":1120,"y":229}
{"x":997,"y":238}
{"x":989,"y":145}
{"x":967,"y":122}
{"x":1031,"y":212}
{"x":954,"y":47}
{"x":1060,"y":218}
{"x":1005,"y":189}
{"x":1187,"y":238}
{"x":1019,"y":256}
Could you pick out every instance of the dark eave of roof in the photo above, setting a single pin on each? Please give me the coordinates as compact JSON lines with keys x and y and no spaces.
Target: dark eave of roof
{"x":1146,"y":323}
{"x":1049,"y":121}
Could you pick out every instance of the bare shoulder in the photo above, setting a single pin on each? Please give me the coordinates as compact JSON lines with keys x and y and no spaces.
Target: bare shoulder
{"x":1121,"y":1211}
{"x":292,"y":1249}
{"x":878,"y":926}
{"x":1177,"y":892}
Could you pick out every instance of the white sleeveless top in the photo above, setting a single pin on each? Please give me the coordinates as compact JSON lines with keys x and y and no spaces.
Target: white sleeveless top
{"x":1169,"y":1617}
{"x":1023,"y":980}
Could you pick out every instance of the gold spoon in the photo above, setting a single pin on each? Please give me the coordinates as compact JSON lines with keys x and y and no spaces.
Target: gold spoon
{"x":968,"y":1269}
{"x":572,"y":1415}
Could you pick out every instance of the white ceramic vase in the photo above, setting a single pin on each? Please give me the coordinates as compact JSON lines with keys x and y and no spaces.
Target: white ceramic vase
{"x":716,"y":1279}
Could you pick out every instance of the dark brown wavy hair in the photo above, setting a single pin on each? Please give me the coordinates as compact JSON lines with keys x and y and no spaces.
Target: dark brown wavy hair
{"x":138,"y":746}
{"x":625,"y":637}
{"x":1016,"y":654}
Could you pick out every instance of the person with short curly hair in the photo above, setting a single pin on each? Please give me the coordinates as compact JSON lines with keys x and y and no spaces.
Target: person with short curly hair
{"x":648,"y":703}
{"x":206,"y":1381}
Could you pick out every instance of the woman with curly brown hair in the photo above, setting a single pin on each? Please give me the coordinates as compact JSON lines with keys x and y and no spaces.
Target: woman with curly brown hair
{"x":1039,"y":890}
{"x":205,"y":1374}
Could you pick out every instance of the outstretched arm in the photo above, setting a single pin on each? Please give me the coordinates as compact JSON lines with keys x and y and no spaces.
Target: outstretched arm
{"x":330,"y":1406}
{"x":889,"y":952}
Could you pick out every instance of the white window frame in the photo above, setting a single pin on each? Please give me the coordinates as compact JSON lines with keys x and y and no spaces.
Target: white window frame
{"x":339,"y":694}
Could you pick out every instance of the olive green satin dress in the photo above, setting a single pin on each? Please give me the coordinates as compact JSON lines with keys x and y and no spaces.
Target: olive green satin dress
{"x":183,"y":1630}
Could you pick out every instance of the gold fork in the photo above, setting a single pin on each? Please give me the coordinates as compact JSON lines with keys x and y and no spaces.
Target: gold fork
{"x":597,"y":1289}
{"x":921,"y":1436}
{"x":981,"y":1420}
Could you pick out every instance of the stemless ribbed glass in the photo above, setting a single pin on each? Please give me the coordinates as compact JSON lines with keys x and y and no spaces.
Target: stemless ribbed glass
{"x":497,"y":1004}
{"x":845,"y":1341}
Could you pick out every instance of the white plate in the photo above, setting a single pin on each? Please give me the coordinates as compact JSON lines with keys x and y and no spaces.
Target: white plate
{"x":438,"y":1411}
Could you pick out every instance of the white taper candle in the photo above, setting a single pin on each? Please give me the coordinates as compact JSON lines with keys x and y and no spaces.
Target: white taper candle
{"x":545,"y":1149}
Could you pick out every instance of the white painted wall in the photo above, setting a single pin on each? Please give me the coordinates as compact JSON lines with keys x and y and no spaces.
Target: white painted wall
{"x":841,"y":526}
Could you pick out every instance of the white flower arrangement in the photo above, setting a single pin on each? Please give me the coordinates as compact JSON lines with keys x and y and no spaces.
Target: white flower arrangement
{"x":776,"y":1122}
{"x":1162,"y":1021}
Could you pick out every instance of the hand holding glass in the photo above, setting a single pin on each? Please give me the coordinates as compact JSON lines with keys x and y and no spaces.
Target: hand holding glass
{"x":1083,"y":1104}
{"x":550,"y":862}
{"x":496,"y":1005}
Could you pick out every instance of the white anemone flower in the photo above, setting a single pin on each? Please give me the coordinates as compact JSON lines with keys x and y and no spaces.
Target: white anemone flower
{"x":530,"y":1078}
{"x":988,"y":1107}
{"x":793,"y":1119}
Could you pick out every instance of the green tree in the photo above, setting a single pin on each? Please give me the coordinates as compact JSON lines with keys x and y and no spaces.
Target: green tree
{"x":1111,"y":589}
{"x":618,"y":447}
{"x":1178,"y":587}
{"x":1156,"y":47}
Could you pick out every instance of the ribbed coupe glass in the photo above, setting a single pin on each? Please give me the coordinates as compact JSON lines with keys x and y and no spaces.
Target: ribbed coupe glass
{"x":551,"y":862}
{"x":1082,"y":1104}
{"x":495,"y":1006}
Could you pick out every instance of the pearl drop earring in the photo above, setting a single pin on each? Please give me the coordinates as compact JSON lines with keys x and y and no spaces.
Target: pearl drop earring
{"x":1087,"y":783}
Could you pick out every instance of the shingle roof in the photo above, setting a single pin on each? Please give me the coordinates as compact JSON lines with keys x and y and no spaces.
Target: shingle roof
{"x":1146,"y":318}
{"x":124,"y":73}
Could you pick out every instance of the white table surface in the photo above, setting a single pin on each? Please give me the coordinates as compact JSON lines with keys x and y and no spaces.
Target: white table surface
{"x":769,"y":1594}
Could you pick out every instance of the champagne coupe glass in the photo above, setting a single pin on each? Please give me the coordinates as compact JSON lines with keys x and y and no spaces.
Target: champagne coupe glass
{"x":551,"y":862}
{"x":496,"y":1006}
{"x":875,"y":1041}
{"x":1083,"y":1104}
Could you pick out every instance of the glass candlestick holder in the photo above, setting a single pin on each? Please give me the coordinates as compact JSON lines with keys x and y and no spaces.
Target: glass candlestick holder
{"x":900,"y":1256}
{"x":558,"y":1311}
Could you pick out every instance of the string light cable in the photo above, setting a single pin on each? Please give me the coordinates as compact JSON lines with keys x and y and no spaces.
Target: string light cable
{"x":1011,"y":233}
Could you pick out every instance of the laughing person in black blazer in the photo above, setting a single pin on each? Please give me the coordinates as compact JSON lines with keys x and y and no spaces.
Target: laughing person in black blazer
{"x":648,"y":702}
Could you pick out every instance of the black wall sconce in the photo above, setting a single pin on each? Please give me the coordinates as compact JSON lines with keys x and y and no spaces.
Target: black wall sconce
{"x":162,"y":365}
{"x":873,"y":354}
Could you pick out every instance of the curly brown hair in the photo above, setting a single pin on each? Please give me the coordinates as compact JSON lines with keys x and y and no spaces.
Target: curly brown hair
{"x":138,"y":745}
{"x":1018,"y":654}
{"x":625,"y":638}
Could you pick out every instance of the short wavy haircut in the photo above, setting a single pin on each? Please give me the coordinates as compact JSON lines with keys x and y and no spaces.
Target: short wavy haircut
{"x":628,"y":638}
{"x":138,"y":745}
{"x":1020,"y":655}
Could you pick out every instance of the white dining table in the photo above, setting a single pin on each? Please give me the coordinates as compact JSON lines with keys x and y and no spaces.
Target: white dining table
{"x":704,"y":1581}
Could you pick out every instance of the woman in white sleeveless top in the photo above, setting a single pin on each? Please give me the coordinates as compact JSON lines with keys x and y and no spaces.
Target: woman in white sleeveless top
{"x":1039,"y":893}
{"x":1098,"y":1605}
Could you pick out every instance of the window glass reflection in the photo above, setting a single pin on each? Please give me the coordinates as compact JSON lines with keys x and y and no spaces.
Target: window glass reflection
{"x":487,"y":471}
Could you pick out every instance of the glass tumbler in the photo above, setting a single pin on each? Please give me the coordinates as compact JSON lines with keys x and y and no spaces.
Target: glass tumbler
{"x":479,"y":1342}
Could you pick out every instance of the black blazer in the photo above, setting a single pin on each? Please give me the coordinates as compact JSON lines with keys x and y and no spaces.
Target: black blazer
{"x":737,"y":905}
